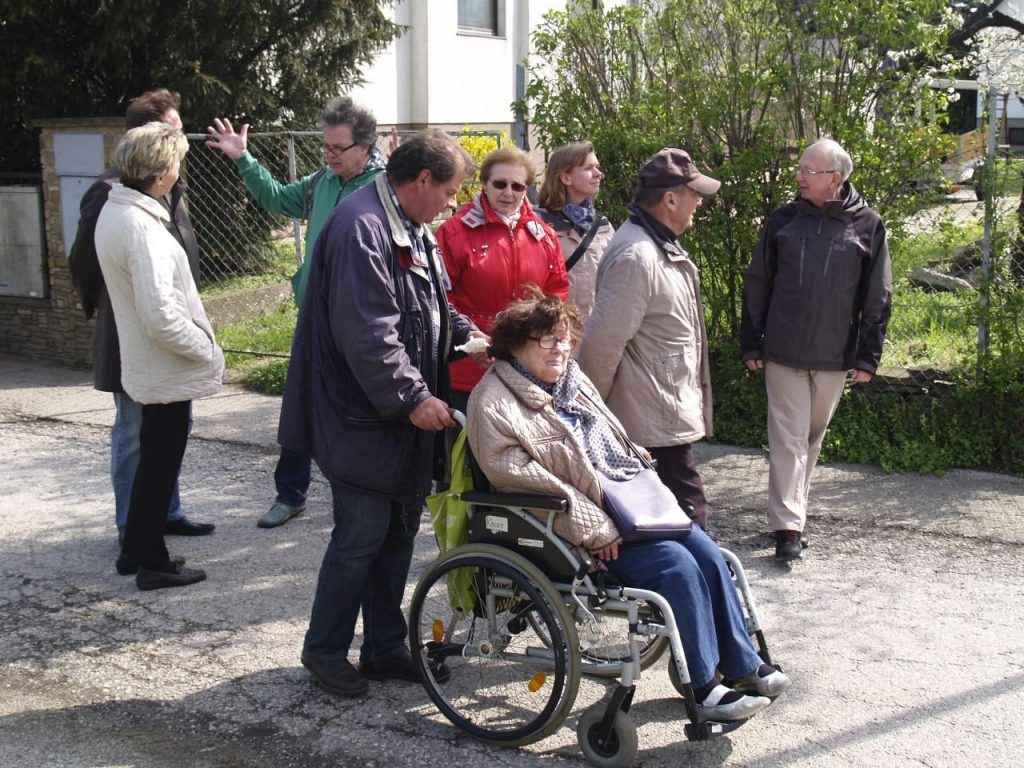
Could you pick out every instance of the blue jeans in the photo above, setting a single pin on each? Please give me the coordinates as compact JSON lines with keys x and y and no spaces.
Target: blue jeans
{"x":124,"y":459}
{"x":292,"y":477}
{"x":364,"y":568}
{"x":692,"y":576}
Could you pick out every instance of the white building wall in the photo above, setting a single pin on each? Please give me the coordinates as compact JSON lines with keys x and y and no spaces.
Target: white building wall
{"x":435,"y":75}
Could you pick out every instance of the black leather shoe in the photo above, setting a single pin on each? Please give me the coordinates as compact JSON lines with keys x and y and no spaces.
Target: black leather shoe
{"x":127,"y":568}
{"x":185,"y":527}
{"x":146,"y":579}
{"x":788,"y":546}
{"x":342,"y":680}
{"x":400,"y":667}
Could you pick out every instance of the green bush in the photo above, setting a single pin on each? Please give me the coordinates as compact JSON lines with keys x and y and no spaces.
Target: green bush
{"x":969,"y":424}
{"x":268,"y":379}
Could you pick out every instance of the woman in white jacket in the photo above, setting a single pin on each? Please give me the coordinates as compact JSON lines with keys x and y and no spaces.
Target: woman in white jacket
{"x":168,"y":352}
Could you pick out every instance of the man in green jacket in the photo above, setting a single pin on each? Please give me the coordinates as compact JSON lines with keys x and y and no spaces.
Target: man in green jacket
{"x":351,"y":161}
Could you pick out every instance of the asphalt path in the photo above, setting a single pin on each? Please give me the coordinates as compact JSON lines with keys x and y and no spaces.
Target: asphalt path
{"x":901,"y":628}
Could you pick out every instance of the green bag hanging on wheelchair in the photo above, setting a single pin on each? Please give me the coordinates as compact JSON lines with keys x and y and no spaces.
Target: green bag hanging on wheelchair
{"x":451,"y":524}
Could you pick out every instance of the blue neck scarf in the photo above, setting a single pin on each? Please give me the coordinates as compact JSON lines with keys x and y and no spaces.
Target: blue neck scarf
{"x":580,"y":214}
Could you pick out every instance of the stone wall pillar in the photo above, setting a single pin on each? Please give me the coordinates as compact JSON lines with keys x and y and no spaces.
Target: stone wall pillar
{"x":55,"y":328}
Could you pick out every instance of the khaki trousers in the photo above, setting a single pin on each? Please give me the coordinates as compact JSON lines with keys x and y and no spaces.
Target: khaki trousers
{"x":800,"y":406}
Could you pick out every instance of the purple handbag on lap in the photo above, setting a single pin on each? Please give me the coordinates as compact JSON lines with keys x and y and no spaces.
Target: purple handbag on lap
{"x":643,"y":508}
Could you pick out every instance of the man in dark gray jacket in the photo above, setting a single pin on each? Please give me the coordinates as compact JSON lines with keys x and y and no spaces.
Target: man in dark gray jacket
{"x":365,"y":397}
{"x":153,"y":106}
{"x":816,"y":303}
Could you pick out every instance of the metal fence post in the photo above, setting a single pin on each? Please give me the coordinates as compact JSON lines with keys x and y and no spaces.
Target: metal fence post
{"x":293,"y":176}
{"x":989,"y":227}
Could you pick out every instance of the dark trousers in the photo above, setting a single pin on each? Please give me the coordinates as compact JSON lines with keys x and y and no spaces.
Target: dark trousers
{"x":162,"y":441}
{"x":292,"y":476}
{"x":678,"y":470}
{"x":364,"y":569}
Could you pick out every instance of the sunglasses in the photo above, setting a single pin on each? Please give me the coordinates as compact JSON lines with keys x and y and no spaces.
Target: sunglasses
{"x":502,"y":183}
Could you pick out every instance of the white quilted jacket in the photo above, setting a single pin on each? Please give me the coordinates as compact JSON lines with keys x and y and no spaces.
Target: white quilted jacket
{"x":168,"y":352}
{"x":523,"y":446}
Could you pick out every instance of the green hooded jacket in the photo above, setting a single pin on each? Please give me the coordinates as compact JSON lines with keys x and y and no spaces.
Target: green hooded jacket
{"x":291,"y":199}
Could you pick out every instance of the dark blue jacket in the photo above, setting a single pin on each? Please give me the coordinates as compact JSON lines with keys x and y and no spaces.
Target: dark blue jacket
{"x":364,"y":353}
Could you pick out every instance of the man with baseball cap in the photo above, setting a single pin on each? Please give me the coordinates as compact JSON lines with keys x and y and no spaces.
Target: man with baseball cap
{"x":645,"y":344}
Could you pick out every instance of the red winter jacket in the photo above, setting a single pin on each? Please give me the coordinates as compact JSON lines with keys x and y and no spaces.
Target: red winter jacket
{"x":488,"y":265}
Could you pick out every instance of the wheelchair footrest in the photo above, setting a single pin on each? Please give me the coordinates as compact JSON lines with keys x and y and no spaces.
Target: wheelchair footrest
{"x":709,"y":729}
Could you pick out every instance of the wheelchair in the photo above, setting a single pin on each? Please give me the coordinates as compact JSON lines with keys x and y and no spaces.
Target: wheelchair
{"x":503,"y":627}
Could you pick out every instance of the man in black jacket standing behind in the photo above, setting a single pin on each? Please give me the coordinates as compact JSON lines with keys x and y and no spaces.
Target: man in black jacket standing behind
{"x":816,"y":303}
{"x":152,"y":106}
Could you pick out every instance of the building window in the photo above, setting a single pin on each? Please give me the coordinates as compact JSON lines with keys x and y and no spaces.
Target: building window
{"x":482,"y":17}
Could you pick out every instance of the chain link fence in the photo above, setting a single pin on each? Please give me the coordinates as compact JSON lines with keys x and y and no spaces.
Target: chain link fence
{"x":236,"y":236}
{"x":958,"y":279}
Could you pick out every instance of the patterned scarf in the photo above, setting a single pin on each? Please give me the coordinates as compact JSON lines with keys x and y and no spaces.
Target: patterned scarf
{"x":609,"y":456}
{"x":419,"y":247}
{"x":580,"y":214}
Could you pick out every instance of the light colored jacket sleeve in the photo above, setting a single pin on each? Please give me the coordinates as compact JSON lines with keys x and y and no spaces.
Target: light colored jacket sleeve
{"x":497,"y":446}
{"x":159,"y":310}
{"x":624,"y":289}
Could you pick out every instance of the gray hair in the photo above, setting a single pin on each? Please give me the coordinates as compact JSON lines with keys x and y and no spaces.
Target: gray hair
{"x":841,"y":160}
{"x":149,"y":151}
{"x":343,"y":111}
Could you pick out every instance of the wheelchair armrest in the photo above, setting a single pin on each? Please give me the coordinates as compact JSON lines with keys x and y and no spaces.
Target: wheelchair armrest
{"x":528,"y":500}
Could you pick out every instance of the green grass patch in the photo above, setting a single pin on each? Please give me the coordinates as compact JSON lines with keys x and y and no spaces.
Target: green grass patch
{"x":280,"y":266}
{"x":937,"y":245}
{"x":267,"y":378}
{"x":1009,"y":177}
{"x":245,"y":343}
{"x":934,"y":330}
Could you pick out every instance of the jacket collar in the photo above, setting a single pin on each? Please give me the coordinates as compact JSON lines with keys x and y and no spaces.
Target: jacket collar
{"x":662,"y":236}
{"x":844,"y":207}
{"x":527,"y":392}
{"x":400,"y":235}
{"x":479,"y":211}
{"x":119,"y":193}
{"x":374,"y":165}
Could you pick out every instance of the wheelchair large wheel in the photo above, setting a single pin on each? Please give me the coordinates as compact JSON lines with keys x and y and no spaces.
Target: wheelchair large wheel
{"x":606,"y":643}
{"x":483,"y":664}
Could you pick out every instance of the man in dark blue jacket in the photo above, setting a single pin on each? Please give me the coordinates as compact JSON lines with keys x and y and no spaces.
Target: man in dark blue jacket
{"x":365,"y":397}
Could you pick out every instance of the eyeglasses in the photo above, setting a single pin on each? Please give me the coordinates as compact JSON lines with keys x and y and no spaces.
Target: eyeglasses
{"x":803,"y":170}
{"x":550,"y":341}
{"x":335,"y":150}
{"x":517,"y":186}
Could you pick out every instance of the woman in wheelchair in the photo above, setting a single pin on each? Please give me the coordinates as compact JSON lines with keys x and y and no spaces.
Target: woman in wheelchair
{"x":538,"y":425}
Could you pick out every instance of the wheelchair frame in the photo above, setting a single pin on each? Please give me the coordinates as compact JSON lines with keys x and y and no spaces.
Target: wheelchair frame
{"x":523,"y":550}
{"x":511,"y":607}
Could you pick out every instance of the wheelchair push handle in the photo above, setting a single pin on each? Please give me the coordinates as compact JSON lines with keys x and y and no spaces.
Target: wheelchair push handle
{"x":459,"y":417}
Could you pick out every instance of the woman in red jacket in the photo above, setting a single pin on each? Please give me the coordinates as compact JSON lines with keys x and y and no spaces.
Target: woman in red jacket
{"x":492,"y":247}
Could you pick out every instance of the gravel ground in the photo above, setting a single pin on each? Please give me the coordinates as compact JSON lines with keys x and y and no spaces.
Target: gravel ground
{"x":900,"y":628}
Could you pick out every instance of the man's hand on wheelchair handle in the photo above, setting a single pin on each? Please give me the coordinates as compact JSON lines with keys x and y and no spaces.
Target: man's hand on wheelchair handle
{"x":433,"y":414}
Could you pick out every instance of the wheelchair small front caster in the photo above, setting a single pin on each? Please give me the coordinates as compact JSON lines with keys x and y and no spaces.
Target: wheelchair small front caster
{"x":618,"y":750}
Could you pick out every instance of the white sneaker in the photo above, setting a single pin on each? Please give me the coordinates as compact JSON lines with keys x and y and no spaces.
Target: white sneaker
{"x":771,"y":685}
{"x":740,"y":709}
